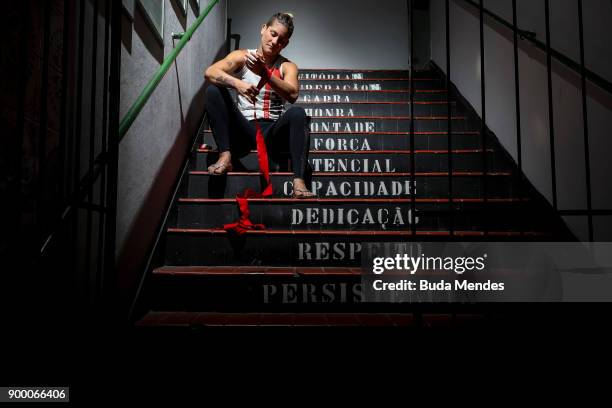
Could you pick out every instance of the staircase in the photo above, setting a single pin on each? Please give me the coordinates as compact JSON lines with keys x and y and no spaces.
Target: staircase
{"x":304,"y":269}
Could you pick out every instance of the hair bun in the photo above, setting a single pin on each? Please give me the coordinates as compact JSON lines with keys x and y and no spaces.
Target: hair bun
{"x":289,"y":14}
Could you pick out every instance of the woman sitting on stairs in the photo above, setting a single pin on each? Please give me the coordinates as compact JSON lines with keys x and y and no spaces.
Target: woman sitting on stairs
{"x":264,"y":80}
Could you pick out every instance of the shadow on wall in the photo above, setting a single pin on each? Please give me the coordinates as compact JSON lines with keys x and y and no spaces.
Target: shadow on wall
{"x":598,"y":94}
{"x":195,"y":7}
{"x":221,"y":53}
{"x":139,"y":241}
{"x":143,"y":29}
{"x":180,"y":15}
{"x":126,"y":32}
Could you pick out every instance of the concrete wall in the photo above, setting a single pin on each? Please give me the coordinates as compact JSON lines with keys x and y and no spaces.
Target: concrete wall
{"x":500,"y":94}
{"x":422,"y":42}
{"x":154,"y":149}
{"x":332,"y":34}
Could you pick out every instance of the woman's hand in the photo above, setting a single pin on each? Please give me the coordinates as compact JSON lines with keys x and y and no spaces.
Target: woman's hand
{"x":247,"y":90}
{"x":257,"y":64}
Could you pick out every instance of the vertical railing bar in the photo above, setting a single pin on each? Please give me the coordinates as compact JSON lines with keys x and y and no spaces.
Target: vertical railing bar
{"x":79,"y":98}
{"x":449,"y":126}
{"x":483,"y":128}
{"x":412,"y":141}
{"x":77,"y":138}
{"x":64,"y":102}
{"x":585,"y":119}
{"x":92,"y":142}
{"x":451,"y":204}
{"x":69,"y":127}
{"x":413,"y":227}
{"x":110,"y":272}
{"x":16,"y":158}
{"x":228,"y":46}
{"x":517,"y":90}
{"x":41,"y":202}
{"x":64,"y":109}
{"x":102,"y":215}
{"x":551,"y":116}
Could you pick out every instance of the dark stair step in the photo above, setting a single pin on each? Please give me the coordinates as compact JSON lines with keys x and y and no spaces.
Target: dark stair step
{"x":308,"y":274}
{"x":257,"y":289}
{"x":270,"y":289}
{"x":357,"y":214}
{"x":361,"y":124}
{"x":387,"y":161}
{"x":393,"y":109}
{"x":327,"y":74}
{"x":330,"y":94}
{"x":394,"y":124}
{"x":215,"y":319}
{"x":376,"y":84}
{"x":352,"y":185}
{"x":384,"y":140}
{"x":394,"y":141}
{"x":305,"y":248}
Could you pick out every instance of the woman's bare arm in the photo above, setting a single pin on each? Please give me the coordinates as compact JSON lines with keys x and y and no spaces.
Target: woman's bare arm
{"x":219,"y":74}
{"x":287,"y":88}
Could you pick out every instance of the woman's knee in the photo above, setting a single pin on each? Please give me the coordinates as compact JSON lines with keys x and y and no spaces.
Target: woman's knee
{"x":213,"y":92}
{"x":297,"y":113}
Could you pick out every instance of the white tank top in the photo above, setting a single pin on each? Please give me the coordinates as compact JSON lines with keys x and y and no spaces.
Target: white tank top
{"x":269,"y":105}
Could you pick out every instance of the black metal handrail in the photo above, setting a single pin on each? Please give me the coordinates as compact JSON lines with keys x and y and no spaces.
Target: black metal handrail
{"x":88,"y":173}
{"x":97,"y":164}
{"x":562,"y":58}
{"x":579,"y":69}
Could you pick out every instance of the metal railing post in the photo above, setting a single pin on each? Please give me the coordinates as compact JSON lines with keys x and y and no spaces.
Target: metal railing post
{"x":449,"y":125}
{"x":551,"y":115}
{"x":110,"y":281}
{"x":483,"y":127}
{"x":104,"y":143}
{"x":92,"y":142}
{"x":412,"y":141}
{"x":517,"y":90}
{"x":228,"y":37}
{"x":585,"y":120}
{"x":42,"y":205}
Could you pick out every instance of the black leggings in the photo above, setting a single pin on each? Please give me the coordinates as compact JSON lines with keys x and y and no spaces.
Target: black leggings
{"x":233,"y":132}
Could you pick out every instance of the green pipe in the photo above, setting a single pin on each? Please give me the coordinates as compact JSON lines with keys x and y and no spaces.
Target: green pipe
{"x":146,"y":93}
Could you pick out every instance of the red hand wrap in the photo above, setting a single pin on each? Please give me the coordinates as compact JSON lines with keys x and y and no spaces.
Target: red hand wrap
{"x":244,"y":223}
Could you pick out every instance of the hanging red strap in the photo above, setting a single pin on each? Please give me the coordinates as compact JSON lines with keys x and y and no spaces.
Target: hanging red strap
{"x":262,"y":157}
{"x":244,"y":223}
